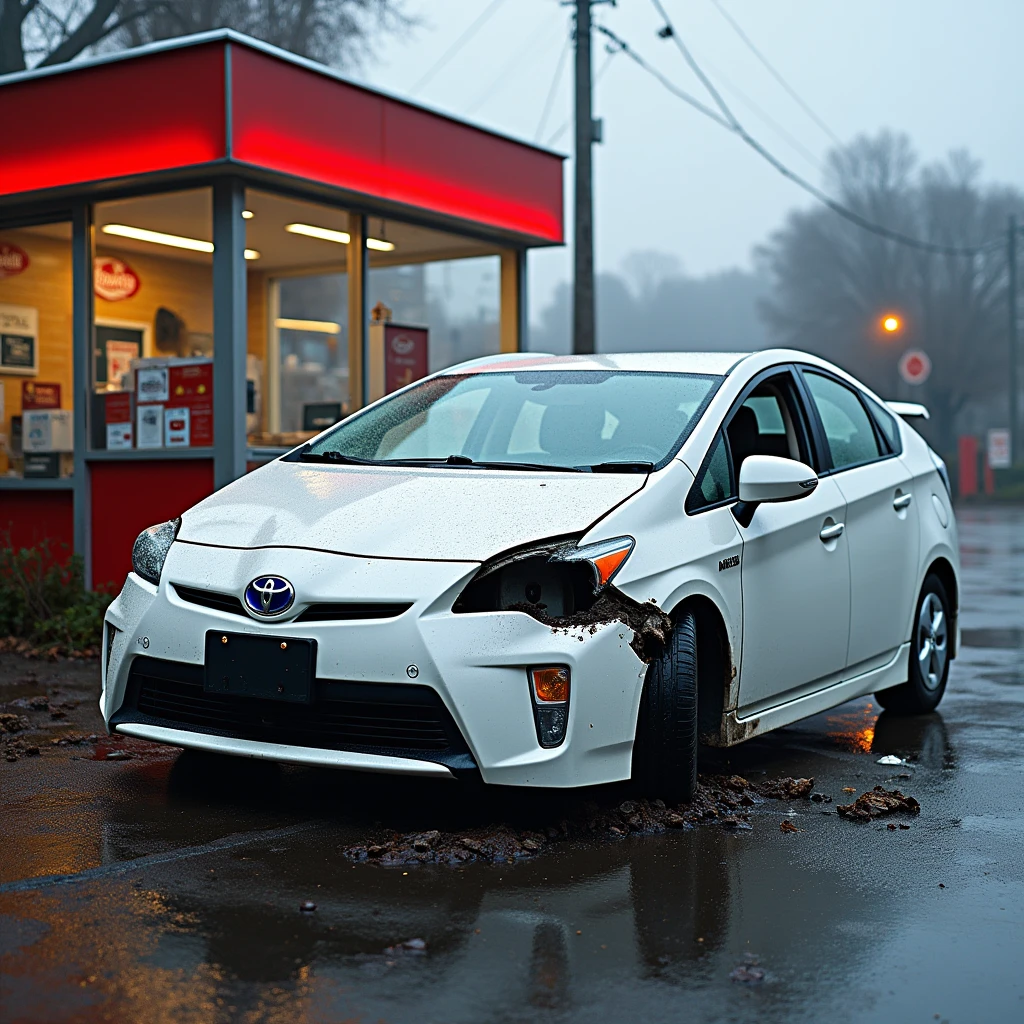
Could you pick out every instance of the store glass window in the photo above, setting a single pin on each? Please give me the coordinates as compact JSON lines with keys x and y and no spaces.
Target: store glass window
{"x":36,"y":394}
{"x":434,"y":300}
{"x":298,"y":353}
{"x":152,"y":359}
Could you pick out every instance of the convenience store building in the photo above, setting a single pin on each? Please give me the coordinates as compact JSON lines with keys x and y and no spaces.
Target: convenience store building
{"x":209,"y":250}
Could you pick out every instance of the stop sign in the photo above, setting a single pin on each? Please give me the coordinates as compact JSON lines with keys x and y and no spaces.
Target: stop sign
{"x":915,"y":366}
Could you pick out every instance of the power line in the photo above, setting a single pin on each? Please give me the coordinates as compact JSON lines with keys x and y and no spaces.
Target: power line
{"x":776,"y":74}
{"x":763,"y":114}
{"x":555,"y":81}
{"x":670,"y":33}
{"x":729,"y":121}
{"x":516,"y":58}
{"x":475,"y":27}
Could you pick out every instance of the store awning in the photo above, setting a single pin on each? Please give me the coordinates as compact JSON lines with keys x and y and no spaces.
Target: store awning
{"x":222,"y":101}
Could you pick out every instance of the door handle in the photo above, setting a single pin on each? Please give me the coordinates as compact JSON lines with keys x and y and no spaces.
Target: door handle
{"x":902,"y":501}
{"x":831,"y":532}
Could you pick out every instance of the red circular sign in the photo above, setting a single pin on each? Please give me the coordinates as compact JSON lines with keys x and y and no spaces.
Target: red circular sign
{"x":915,"y":366}
{"x":13,"y":259}
{"x":113,"y":279}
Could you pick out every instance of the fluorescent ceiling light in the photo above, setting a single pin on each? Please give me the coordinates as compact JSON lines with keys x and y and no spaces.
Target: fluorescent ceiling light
{"x":317,"y":326}
{"x":247,"y":215}
{"x":162,"y":238}
{"x":312,"y":231}
{"x":157,"y":237}
{"x":341,"y":237}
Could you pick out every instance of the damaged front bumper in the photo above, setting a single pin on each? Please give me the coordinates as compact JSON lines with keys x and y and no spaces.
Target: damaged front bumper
{"x":469,"y":671}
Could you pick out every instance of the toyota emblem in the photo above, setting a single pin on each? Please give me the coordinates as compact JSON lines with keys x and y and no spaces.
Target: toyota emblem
{"x":269,"y":595}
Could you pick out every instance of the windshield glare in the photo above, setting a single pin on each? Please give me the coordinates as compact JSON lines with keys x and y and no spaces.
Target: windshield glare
{"x":558,"y":418}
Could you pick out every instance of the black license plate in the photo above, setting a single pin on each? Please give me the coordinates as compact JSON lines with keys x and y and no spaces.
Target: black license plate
{"x":269,"y":667}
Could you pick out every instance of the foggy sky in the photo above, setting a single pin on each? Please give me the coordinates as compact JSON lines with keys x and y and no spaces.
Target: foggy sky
{"x":948,"y":72}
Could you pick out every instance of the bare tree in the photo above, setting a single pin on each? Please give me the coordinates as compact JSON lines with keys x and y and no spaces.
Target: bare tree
{"x":39,"y":33}
{"x":834,"y":282}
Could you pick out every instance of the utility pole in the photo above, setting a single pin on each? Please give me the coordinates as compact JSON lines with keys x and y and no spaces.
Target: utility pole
{"x":1011,"y":286}
{"x":587,"y":133}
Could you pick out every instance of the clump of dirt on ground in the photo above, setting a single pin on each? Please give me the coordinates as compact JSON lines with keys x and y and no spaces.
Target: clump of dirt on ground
{"x":722,"y":800}
{"x":878,"y":803}
{"x":650,"y":625}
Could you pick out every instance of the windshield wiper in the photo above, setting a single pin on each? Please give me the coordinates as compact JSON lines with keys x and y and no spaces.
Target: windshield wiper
{"x":623,"y":467}
{"x":464,"y":460}
{"x":332,"y":456}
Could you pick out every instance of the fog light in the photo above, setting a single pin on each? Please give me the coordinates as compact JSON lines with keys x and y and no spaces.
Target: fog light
{"x":549,"y":688}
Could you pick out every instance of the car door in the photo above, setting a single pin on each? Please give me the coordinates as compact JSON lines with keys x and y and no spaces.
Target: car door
{"x":795,"y":570}
{"x":882,"y":528}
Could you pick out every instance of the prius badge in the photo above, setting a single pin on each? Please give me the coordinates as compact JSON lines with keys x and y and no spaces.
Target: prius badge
{"x":269,"y":595}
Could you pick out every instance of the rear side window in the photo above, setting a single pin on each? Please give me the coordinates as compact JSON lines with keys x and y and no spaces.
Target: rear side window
{"x":714,"y":484}
{"x":848,"y":429}
{"x":886,"y":424}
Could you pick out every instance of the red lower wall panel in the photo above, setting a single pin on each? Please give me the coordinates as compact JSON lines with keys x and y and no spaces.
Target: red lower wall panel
{"x":129,"y":496}
{"x":27,"y":518}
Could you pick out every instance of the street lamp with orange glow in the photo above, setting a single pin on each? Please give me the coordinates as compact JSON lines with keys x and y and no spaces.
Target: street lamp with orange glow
{"x":891,"y":324}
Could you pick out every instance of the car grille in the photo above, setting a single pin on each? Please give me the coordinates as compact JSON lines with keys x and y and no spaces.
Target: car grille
{"x":397,"y":719}
{"x":339,"y":612}
{"x":209,"y":599}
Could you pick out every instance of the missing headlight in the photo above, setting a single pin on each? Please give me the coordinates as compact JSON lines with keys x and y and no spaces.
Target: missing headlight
{"x":531,"y":580}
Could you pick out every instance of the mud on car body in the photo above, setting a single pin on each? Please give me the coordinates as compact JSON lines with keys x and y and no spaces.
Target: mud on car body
{"x":550,"y":571}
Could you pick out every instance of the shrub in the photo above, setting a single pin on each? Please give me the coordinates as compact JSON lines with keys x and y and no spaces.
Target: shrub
{"x":43,"y":601}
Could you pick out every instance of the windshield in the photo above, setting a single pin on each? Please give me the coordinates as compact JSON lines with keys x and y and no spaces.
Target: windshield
{"x":560,"y":419}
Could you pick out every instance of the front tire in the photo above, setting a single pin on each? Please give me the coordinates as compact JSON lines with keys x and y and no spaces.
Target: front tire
{"x":929,"y":655}
{"x":665,"y":750}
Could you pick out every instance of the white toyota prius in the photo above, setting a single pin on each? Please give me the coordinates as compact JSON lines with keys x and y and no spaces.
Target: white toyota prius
{"x":551,"y":571}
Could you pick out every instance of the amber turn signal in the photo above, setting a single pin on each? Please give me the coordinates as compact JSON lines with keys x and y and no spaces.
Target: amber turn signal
{"x":608,"y":565}
{"x":551,"y":685}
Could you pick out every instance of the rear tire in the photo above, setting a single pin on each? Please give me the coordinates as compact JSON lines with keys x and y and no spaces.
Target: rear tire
{"x":930,"y":646}
{"x":665,"y":750}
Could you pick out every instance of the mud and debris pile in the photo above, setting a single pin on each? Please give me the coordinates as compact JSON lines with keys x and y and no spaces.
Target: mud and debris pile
{"x":650,"y":625}
{"x":877,"y":803}
{"x":721,"y":800}
{"x":23,"y":725}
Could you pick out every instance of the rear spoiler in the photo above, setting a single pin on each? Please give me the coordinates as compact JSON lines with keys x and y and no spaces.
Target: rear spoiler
{"x":909,"y":410}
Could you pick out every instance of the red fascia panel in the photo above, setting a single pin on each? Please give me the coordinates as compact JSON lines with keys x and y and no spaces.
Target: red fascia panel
{"x":292,"y":120}
{"x":30,"y":518}
{"x":149,"y":113}
{"x":129,"y":496}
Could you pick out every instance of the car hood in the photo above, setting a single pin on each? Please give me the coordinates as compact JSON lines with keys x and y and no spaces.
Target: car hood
{"x":451,"y":514}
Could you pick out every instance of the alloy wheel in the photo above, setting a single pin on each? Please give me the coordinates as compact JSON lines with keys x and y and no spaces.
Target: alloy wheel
{"x":932,"y":641}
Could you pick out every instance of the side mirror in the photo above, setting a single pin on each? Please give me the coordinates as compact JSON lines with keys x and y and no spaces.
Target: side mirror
{"x":769,"y":478}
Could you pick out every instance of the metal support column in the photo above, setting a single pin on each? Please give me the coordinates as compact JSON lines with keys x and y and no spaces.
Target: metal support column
{"x":512,"y":313}
{"x":230,"y":331}
{"x":358,"y":314}
{"x":81,"y":389}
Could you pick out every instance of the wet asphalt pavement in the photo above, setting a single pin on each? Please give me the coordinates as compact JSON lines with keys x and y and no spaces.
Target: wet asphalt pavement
{"x":151,"y":889}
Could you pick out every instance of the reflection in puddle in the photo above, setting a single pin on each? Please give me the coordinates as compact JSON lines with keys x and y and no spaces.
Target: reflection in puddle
{"x":853,"y":729}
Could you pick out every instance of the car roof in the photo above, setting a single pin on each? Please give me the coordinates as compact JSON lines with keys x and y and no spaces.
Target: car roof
{"x":718,"y":363}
